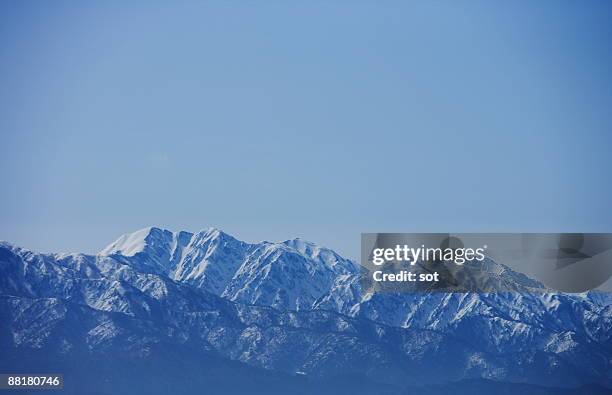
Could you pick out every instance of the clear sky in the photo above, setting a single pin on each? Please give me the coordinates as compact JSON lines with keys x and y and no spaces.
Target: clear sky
{"x":319,"y":119}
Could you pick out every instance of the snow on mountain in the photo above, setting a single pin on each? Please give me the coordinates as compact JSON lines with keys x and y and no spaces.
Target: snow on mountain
{"x":293,"y":274}
{"x":209,"y":260}
{"x":322,"y":255}
{"x":294,"y":306}
{"x":281,"y":276}
{"x":65,"y":306}
{"x":154,"y":248}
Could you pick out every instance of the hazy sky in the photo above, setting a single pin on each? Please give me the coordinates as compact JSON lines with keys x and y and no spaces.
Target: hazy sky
{"x":277,"y":119}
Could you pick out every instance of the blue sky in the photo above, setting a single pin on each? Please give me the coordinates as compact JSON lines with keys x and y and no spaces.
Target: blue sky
{"x":323,"y":120}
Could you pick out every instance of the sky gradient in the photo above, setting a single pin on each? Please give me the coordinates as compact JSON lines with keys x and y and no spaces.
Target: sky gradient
{"x":272,"y":120}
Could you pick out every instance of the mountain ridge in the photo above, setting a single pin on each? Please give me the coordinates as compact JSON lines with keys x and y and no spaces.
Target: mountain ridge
{"x":294,"y":307}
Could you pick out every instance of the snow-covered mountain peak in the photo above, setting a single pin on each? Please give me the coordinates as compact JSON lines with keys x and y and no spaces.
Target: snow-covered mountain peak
{"x":131,"y":244}
{"x":6,"y":244}
{"x":219,"y":263}
{"x":212,"y":234}
{"x":304,"y":247}
{"x":323,"y":255}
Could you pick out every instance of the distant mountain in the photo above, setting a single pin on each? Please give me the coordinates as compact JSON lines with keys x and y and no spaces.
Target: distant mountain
{"x":290,"y":275}
{"x":293,"y":308}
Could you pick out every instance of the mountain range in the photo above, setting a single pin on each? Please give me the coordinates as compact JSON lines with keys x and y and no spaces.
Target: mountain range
{"x":285,"y":316}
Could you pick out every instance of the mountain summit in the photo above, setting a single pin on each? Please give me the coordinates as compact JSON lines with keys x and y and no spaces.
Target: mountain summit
{"x":294,"y":274}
